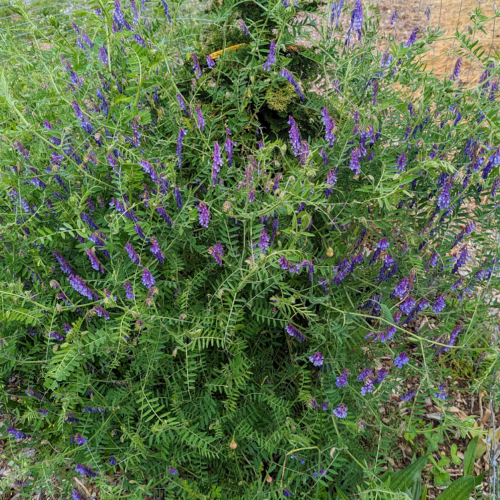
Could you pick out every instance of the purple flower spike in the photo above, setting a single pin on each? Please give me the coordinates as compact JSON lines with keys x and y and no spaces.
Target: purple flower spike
{"x":178,"y":197}
{"x":402,"y":288}
{"x":331,"y":180}
{"x":77,"y":495}
{"x":210,"y":62}
{"x":383,"y":372}
{"x":412,"y":39}
{"x":147,"y":278}
{"x":286,"y":493}
{"x":180,"y":138}
{"x":196,"y":66}
{"x":408,"y":305}
{"x":94,"y":261}
{"x":342,"y":380}
{"x":462,"y":259}
{"x":441,"y":392}
{"x":65,"y":267}
{"x":103,"y":55}
{"x":85,"y":471}
{"x":86,"y":218}
{"x":286,"y":74}
{"x":112,"y":460}
{"x":217,"y":252}
{"x":329,"y":124}
{"x":182,"y":104}
{"x":263,"y":240}
{"x":244,"y":28}
{"x":172,"y":471}
{"x":394,"y":17}
{"x":402,"y":162}
{"x":340,"y":411}
{"x":156,"y":251}
{"x":354,"y":165}
{"x":409,"y":395}
{"x":128,"y":291}
{"x":271,"y":60}
{"x":139,"y":231}
{"x":440,"y":304}
{"x":16,"y":433}
{"x":132,"y":253}
{"x":316,"y":359}
{"x":217,"y":162}
{"x":293,"y":332}
{"x":165,"y":8}
{"x":199,"y":117}
{"x":401,"y":360}
{"x":456,"y":70}
{"x":78,"y":439}
{"x":229,"y":145}
{"x":78,"y":284}
{"x":204,"y":217}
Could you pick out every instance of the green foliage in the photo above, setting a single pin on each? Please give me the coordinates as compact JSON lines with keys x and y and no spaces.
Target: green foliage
{"x":275,"y":266}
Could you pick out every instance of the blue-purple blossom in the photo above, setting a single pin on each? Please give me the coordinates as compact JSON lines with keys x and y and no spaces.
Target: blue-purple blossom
{"x":402,"y":162}
{"x":138,"y":38}
{"x":77,"y":495}
{"x":78,"y":284}
{"x":432,"y":261}
{"x":331,"y":180}
{"x":16,"y":433}
{"x":462,"y":259}
{"x":456,"y":69}
{"x":164,"y":215}
{"x":441,"y":392}
{"x":78,"y":439}
{"x":182,"y":104}
{"x":440,"y":304}
{"x":83,"y":469}
{"x":83,"y":121}
{"x":217,"y":162}
{"x":340,"y":411}
{"x":229,"y":144}
{"x":65,"y":267}
{"x":342,"y":380}
{"x":244,"y":28}
{"x":321,"y":473}
{"x":210,"y":62}
{"x":165,"y":8}
{"x":172,"y":471}
{"x":217,"y":252}
{"x":409,"y":395}
{"x":286,"y":74}
{"x":271,"y":59}
{"x":394,"y":17}
{"x":364,"y":374}
{"x":199,"y":118}
{"x":128,"y":290}
{"x":147,"y":278}
{"x":112,"y":460}
{"x":443,"y":200}
{"x":401,"y":360}
{"x":196,"y":66}
{"x":180,"y":138}
{"x":356,"y":21}
{"x":86,"y":218}
{"x":412,"y":39}
{"x":94,"y":261}
{"x":368,"y":386}
{"x":132,"y":253}
{"x":494,"y":189}
{"x":408,"y":305}
{"x":401,"y":289}
{"x":204,"y":217}
{"x":286,"y":493}
{"x":31,"y":392}
{"x":295,"y":137}
{"x":263,"y":243}
{"x":155,"y":250}
{"x":382,"y":373}
{"x":423,"y":304}
{"x":329,"y":124}
{"x":294,"y":332}
{"x":316,"y":359}
{"x":354,"y":164}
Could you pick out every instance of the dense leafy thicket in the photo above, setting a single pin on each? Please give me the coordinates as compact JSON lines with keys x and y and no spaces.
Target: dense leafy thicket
{"x":228,"y":261}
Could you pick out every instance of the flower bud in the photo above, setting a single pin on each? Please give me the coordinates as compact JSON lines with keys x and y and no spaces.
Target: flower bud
{"x":329,"y":252}
{"x":233,"y":445}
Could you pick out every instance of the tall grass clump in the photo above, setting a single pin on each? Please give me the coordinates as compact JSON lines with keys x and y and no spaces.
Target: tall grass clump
{"x":237,"y":259}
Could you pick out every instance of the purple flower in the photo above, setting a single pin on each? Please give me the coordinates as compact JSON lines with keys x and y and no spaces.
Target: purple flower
{"x":394,"y":17}
{"x":331,"y":180}
{"x":199,"y":117}
{"x":323,"y":155}
{"x":284,"y":263}
{"x":16,"y":433}
{"x":148,"y":168}
{"x":244,"y":28}
{"x":86,"y":218}
{"x":196,"y":66}
{"x":453,"y":337}
{"x":298,"y":458}
{"x":409,"y":395}
{"x":210,"y":62}
{"x":178,"y":197}
{"x":78,"y":284}
{"x":423,"y":304}
{"x":164,"y":215}
{"x":412,"y":39}
{"x":251,"y":195}
{"x":101,"y":312}
{"x":364,"y":374}
{"x":324,"y":405}
{"x":329,"y":124}
{"x":132,"y":253}
{"x":342,"y":380}
{"x":441,"y":392}
{"x":271,"y":60}
{"x":140,"y":40}
{"x":313,"y":403}
{"x":316,"y":359}
{"x":217,"y":162}
{"x":401,"y":288}
{"x":128,"y":290}
{"x":83,"y":121}
{"x":65,"y":267}
{"x":354,"y":164}
{"x":286,"y":74}
{"x":165,"y":8}
{"x":94,"y":261}
{"x":172,"y":471}
{"x":112,"y":460}
{"x":383,"y":244}
{"x":286,"y":493}
{"x":263,"y":240}
{"x":78,"y":439}
{"x":340,"y":411}
{"x":470,"y":226}
{"x":456,"y":70}
{"x":182,"y":104}
{"x":103,"y":55}
{"x":462,"y":259}
{"x":139,"y":231}
{"x":83,"y":469}
{"x":494,"y":189}
{"x":368,"y":387}
{"x":402,"y":162}
{"x":147,"y":278}
{"x":382,"y":373}
{"x":432,"y":261}
{"x":77,"y":495}
{"x":408,"y":305}
{"x":356,"y":21}
{"x":401,"y":360}
{"x":217,"y":252}
{"x":229,"y":150}
{"x":293,"y":332}
{"x":322,"y":473}
{"x":295,"y":137}
{"x":440,"y":304}
{"x":204,"y":217}
{"x":155,"y":250}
